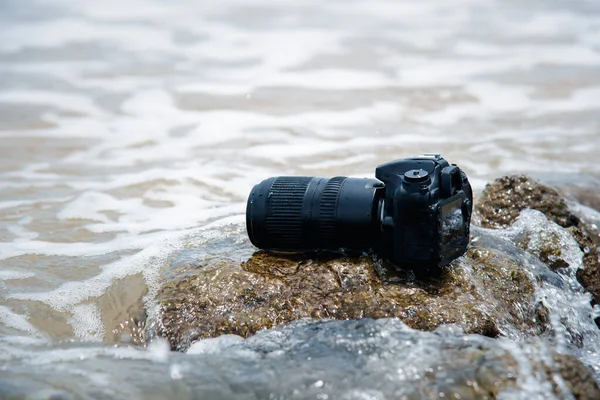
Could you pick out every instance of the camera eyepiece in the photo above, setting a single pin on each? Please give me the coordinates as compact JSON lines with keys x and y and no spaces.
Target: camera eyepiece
{"x":416,"y":213}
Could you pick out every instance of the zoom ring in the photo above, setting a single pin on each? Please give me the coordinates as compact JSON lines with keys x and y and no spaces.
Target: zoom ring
{"x":283,"y":222}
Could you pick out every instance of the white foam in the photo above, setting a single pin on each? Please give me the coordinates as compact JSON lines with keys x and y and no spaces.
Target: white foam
{"x":12,"y":320}
{"x":61,"y":101}
{"x":214,"y":345}
{"x":8,"y":274}
{"x":71,"y":296}
{"x":89,"y":205}
{"x":59,"y":32}
{"x":550,"y":24}
{"x":159,"y":349}
{"x":329,"y":79}
{"x":21,"y":233}
{"x":76,"y":249}
{"x":86,"y":320}
{"x":112,"y":10}
{"x":175,"y":371}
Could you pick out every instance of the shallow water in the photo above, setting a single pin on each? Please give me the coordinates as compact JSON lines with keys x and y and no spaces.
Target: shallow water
{"x":363,"y":359}
{"x":128,"y":127}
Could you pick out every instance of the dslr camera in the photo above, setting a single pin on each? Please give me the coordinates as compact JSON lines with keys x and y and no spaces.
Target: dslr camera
{"x":416,"y":214}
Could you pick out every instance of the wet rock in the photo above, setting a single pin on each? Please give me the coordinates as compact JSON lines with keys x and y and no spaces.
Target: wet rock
{"x":589,"y":276}
{"x":503,"y":200}
{"x":589,"y":219}
{"x":385,"y":359}
{"x":307,"y":359}
{"x":579,"y":379}
{"x":485,"y":292}
{"x":550,"y":243}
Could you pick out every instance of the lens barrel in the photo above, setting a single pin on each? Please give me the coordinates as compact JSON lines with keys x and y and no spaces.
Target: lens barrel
{"x":300,"y":213}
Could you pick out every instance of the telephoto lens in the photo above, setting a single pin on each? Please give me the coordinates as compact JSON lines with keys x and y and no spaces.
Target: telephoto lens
{"x":416,"y":213}
{"x":300,"y":213}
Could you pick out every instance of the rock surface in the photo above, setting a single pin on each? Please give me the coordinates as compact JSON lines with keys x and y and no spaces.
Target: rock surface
{"x":485,"y":292}
{"x":503,"y":200}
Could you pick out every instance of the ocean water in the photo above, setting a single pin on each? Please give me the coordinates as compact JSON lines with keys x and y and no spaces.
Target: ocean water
{"x":131,"y":130}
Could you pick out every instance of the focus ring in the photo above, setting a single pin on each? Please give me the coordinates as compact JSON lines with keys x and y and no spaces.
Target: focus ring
{"x":327,"y":209}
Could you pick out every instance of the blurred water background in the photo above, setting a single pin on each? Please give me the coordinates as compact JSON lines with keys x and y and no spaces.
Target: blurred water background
{"x":127,"y":125}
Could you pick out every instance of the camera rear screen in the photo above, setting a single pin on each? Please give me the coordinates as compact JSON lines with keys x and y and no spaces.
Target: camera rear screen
{"x":452,"y":222}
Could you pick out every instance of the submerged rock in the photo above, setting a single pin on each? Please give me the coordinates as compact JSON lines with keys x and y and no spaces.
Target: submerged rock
{"x":384,"y":358}
{"x":501,"y":204}
{"x":307,"y":359}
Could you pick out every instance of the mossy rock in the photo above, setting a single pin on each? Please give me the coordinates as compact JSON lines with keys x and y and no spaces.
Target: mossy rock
{"x":503,"y":200}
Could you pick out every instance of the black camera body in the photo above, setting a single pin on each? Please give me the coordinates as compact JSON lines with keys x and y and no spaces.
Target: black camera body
{"x":426,"y":211}
{"x":416,"y":213}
